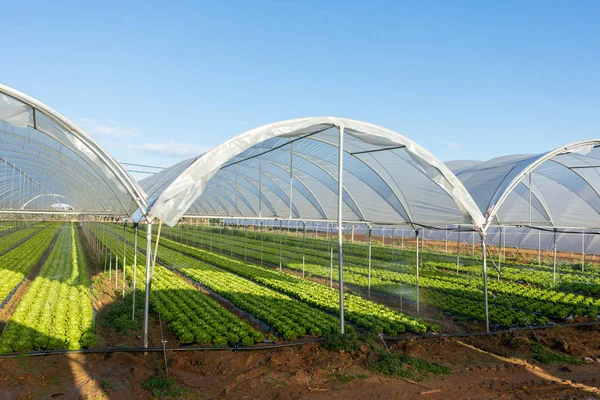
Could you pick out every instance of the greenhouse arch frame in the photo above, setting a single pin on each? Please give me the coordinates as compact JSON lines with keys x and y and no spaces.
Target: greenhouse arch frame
{"x":22,"y":117}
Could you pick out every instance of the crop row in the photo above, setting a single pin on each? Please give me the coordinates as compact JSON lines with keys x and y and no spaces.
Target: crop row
{"x":282,"y":313}
{"x":56,"y":311}
{"x":10,"y":239}
{"x":17,"y":263}
{"x":363,"y":313}
{"x":513,"y":299}
{"x":193,"y":316}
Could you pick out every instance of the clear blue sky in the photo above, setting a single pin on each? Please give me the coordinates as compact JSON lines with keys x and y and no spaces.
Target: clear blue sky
{"x":155,"y":82}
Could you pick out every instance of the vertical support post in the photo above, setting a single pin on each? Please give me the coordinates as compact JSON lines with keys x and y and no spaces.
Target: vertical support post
{"x":331,"y":260}
{"x":402,"y":239}
{"x":124,"y":254}
{"x":221,"y":227}
{"x":201,"y":233}
{"x":261,"y":241}
{"x":500,"y":247}
{"x":446,"y":240}
{"x":352,"y":239}
{"x":504,"y":243}
{"x":231,"y":238}
{"x":554,"y":268}
{"x":458,"y":251}
{"x":340,"y":226}
{"x":117,"y":255}
{"x":135,"y":232}
{"x":109,"y":261}
{"x":303,"y":248}
{"x":417,"y":269}
{"x":291,"y":177}
{"x":245,"y":240}
{"x":281,"y":247}
{"x":148,"y":280}
{"x":530,"y":199}
{"x":104,"y":244}
{"x":485,"y":290}
{"x":369,"y":262}
{"x":392,"y":236}
{"x":260,"y":184}
{"x":539,"y":248}
{"x":582,"y":250}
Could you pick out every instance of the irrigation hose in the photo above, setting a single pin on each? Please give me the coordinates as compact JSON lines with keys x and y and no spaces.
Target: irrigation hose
{"x":280,"y":345}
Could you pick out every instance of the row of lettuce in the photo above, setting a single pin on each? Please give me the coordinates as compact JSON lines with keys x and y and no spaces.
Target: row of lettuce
{"x":56,"y":311}
{"x":291,"y":307}
{"x":520,"y":297}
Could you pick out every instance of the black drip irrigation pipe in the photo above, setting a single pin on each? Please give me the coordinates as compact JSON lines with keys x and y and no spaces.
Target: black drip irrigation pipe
{"x":277,"y":346}
{"x":498,"y":332}
{"x":159,"y":349}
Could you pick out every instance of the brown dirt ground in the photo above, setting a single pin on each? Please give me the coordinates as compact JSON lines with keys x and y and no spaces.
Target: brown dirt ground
{"x":482,"y":368}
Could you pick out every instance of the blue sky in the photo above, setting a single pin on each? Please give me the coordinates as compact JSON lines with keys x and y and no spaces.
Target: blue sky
{"x":156,"y":82}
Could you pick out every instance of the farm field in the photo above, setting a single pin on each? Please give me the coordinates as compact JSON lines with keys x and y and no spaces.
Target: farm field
{"x":227,"y":298}
{"x":520,"y":295}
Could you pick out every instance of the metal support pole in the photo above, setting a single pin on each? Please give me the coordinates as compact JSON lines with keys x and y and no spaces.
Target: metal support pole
{"x":554,"y":269}
{"x":231,"y":247}
{"x":499,"y":248}
{"x":402,"y":239}
{"x":458,"y":251}
{"x":303,"y":248}
{"x":245,"y":240}
{"x":417,"y":276}
{"x":539,"y":248}
{"x":124,"y":254}
{"x":392,"y":236}
{"x":340,"y":226}
{"x":582,"y":251}
{"x":104,"y":245}
{"x":369,"y":262}
{"x":201,"y":233}
{"x":221,"y":226}
{"x":261,"y":241}
{"x":485,"y":290}
{"x":117,"y":256}
{"x":446,"y":240}
{"x":135,"y":232}
{"x":281,"y":246}
{"x":148,"y":280}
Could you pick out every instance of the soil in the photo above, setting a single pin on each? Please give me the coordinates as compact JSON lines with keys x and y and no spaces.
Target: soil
{"x":482,"y":368}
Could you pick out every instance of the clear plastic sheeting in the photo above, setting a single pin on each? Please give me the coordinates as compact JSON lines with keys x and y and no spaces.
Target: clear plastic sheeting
{"x":289,"y":170}
{"x":46,"y":160}
{"x":560,"y":188}
{"x":586,"y":241}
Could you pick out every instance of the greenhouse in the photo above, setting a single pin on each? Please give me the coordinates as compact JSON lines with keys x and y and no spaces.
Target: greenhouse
{"x":296,"y":229}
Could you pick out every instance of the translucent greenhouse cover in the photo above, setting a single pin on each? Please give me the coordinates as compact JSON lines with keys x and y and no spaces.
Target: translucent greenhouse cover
{"x":289,"y":170}
{"x":557,"y":189}
{"x":46,"y":160}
